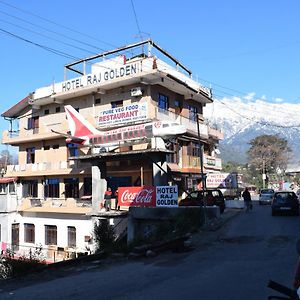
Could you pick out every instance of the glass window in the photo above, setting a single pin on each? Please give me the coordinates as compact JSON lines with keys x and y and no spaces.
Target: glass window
{"x":29,"y":233}
{"x":115,"y":104}
{"x":87,"y":186}
{"x":71,"y":236}
{"x":33,"y":123}
{"x":46,"y":112}
{"x":50,"y":235}
{"x":97,"y":101}
{"x":193,"y":111}
{"x":73,"y":149}
{"x":30,"y":188}
{"x":71,"y":187}
{"x":57,"y":109}
{"x":193,"y":149}
{"x":173,"y":157}
{"x":12,"y":188}
{"x":3,"y":188}
{"x":30,"y":155}
{"x":163,"y":102}
{"x":51,"y":188}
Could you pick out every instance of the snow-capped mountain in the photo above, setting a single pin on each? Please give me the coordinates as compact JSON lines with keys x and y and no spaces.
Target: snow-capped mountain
{"x":244,"y":119}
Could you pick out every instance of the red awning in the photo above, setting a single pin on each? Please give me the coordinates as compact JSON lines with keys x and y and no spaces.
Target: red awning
{"x":7,"y":179}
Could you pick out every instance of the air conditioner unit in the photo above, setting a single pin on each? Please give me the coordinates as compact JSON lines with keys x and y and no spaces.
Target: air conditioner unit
{"x":137,"y":91}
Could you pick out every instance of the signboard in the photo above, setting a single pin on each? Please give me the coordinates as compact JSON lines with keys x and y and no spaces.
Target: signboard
{"x":94,"y":79}
{"x":143,"y":196}
{"x":125,"y":114}
{"x":167,"y":196}
{"x":221,"y":180}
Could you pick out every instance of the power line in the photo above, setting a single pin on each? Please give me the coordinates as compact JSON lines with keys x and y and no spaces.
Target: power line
{"x":57,"y":24}
{"x":46,"y":36}
{"x":136,"y":20}
{"x":52,"y":50}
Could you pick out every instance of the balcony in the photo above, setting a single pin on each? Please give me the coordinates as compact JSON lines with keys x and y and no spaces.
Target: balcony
{"x":165,"y":115}
{"x":44,"y":131}
{"x":46,"y":168}
{"x":56,"y":205}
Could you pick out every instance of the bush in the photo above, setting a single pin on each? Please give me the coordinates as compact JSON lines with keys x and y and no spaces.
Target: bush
{"x":104,"y":236}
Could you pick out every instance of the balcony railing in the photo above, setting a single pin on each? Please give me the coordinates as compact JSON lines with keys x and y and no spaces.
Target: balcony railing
{"x":165,"y":115}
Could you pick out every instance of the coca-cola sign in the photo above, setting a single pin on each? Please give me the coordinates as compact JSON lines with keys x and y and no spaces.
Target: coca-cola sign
{"x":143,"y":196}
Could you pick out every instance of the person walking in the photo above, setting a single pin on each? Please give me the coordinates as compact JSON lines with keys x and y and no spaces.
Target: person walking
{"x":247,"y":199}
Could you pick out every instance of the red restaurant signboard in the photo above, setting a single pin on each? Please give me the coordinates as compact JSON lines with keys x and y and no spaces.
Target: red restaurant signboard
{"x":144,"y":196}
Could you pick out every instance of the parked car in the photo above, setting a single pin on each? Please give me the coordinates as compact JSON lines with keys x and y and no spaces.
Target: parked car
{"x":266,"y":196}
{"x":213,"y":197}
{"x":285,"y":202}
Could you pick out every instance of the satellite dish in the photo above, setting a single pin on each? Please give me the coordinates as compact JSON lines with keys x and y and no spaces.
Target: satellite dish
{"x":217,"y":151}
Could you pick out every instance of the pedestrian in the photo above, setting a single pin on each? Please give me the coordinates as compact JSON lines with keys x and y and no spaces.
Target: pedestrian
{"x":107,"y":199}
{"x":247,"y":199}
{"x":116,"y":197}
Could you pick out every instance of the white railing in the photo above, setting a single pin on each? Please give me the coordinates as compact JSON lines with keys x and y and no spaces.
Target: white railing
{"x":165,"y":115}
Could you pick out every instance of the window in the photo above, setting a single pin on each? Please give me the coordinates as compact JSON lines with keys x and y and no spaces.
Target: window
{"x":46,"y":112}
{"x":57,"y":109}
{"x":87,"y":186}
{"x":73,"y":149}
{"x":51,"y":188}
{"x":173,"y":157}
{"x":55,"y":146}
{"x":193,"y":112}
{"x":15,"y":229}
{"x":12,"y":188}
{"x":30,"y":188}
{"x":177,"y":103}
{"x":163,"y":102}
{"x":30,"y":155}
{"x":71,"y":187}
{"x":194,"y":149}
{"x":33,"y":123}
{"x":97,"y":101}
{"x":46,"y":147}
{"x":71,"y":237}
{"x":29,"y":233}
{"x":50,"y":235}
{"x":115,"y":104}
{"x":3,"y":188}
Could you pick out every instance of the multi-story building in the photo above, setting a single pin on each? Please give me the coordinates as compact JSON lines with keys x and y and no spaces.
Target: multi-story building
{"x":113,"y":89}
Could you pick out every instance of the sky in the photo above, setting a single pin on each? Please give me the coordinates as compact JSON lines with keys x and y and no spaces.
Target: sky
{"x":238,"y":48}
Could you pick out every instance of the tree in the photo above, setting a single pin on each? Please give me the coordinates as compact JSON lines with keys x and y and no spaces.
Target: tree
{"x":268,"y":154}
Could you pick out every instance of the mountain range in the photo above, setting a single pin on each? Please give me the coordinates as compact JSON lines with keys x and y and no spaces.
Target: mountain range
{"x":242,"y":119}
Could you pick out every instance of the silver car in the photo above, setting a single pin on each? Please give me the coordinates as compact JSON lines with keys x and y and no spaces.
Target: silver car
{"x":266,"y":196}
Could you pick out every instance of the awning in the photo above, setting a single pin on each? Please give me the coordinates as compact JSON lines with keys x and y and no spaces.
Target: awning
{"x":7,"y":179}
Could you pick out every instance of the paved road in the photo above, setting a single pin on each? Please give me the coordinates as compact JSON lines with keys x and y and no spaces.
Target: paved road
{"x":233,"y":263}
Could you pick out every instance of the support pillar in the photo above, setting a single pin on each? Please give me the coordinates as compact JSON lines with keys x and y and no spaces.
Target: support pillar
{"x":99,"y":186}
{"x":160,"y":170}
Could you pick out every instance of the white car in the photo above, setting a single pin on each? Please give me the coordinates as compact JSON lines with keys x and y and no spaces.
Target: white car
{"x":266,"y":196}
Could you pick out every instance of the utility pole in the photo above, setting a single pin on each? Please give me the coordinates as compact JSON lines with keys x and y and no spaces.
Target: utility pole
{"x":203,"y":179}
{"x":264,"y":175}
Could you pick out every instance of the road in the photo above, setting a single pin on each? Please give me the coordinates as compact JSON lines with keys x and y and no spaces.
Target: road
{"x":232,"y":263}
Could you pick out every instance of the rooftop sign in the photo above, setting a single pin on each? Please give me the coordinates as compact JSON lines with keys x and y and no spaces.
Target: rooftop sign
{"x":104,"y":75}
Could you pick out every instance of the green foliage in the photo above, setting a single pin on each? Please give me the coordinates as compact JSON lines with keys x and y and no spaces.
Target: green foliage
{"x":11,"y":266}
{"x":104,"y":236}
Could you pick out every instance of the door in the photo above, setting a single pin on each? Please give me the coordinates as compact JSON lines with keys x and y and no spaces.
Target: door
{"x":15,"y":228}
